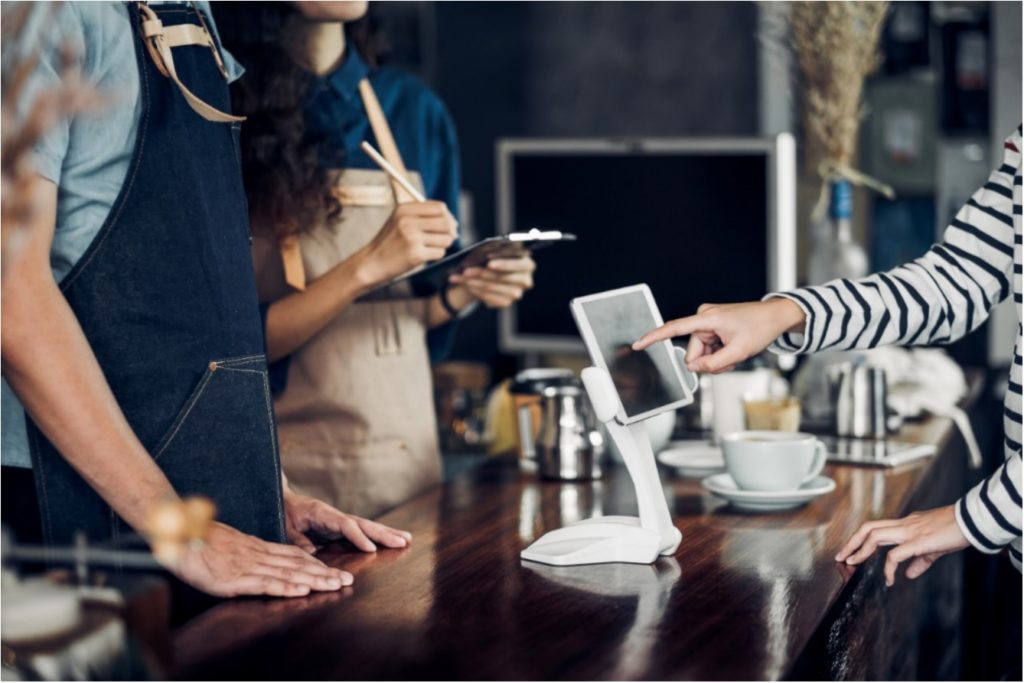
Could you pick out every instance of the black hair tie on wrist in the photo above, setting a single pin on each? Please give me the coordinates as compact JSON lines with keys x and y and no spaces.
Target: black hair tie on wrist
{"x":452,"y":311}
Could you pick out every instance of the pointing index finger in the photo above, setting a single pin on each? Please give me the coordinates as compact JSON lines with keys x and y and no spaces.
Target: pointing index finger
{"x":673,"y":328}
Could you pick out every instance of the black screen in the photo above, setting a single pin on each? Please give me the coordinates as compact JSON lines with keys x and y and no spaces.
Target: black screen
{"x":692,"y":226}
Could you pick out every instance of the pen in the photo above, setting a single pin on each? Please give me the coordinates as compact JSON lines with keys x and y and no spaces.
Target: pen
{"x":397,"y":176}
{"x":392,"y":171}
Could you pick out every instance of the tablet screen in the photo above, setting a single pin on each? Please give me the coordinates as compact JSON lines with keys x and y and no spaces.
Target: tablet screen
{"x":645,"y":380}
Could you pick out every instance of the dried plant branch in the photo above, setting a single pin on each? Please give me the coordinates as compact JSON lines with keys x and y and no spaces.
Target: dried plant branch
{"x":836,"y":48}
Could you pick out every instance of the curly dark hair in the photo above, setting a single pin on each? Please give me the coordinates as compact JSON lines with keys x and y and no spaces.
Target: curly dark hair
{"x":286,"y":179}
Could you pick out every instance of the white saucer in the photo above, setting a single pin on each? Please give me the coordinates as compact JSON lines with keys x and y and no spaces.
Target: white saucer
{"x":694,"y":459}
{"x":723,"y":486}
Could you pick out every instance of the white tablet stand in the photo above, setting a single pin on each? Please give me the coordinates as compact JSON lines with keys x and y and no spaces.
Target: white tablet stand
{"x":617,"y":538}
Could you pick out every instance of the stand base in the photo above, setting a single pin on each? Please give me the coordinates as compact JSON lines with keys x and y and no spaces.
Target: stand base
{"x":599,"y":540}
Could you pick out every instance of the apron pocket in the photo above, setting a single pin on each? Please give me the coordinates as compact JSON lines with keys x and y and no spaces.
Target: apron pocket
{"x":364,"y":479}
{"x":228,"y":414}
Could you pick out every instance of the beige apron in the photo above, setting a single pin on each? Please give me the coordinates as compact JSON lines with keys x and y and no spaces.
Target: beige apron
{"x":356,"y":421}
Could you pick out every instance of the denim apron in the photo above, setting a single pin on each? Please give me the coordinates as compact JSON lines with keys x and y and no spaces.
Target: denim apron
{"x":166,"y":297}
{"x":356,"y":419}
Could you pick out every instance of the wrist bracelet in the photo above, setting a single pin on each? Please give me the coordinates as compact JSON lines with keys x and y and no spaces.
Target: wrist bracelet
{"x":455,"y":313}
{"x":452,"y":311}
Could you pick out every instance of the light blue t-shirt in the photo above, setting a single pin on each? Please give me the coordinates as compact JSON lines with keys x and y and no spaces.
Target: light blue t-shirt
{"x":88,"y":155}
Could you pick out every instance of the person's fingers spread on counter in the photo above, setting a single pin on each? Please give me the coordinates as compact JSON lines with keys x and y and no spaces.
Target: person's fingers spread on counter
{"x":921,"y":564}
{"x":300,"y":568}
{"x":305,"y":514}
{"x":897,"y":555}
{"x":300,"y":540}
{"x":879,"y":537}
{"x":857,"y":540}
{"x":316,"y":568}
{"x":925,"y":536}
{"x":300,"y":577}
{"x":385,"y":535}
{"x":231,"y":563}
{"x":260,"y":584}
{"x":350,"y":529}
{"x":291,"y":551}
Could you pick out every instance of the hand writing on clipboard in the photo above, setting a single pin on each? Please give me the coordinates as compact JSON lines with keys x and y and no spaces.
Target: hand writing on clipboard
{"x":415,"y":234}
{"x":495,"y":271}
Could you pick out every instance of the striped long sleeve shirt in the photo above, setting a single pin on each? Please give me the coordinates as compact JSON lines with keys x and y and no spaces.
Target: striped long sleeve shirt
{"x":936,"y":299}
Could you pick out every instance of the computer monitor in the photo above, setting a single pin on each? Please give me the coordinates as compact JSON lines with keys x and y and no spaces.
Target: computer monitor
{"x":699,"y":220}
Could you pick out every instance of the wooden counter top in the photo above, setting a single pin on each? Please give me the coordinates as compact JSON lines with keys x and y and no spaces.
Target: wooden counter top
{"x":745,"y":596}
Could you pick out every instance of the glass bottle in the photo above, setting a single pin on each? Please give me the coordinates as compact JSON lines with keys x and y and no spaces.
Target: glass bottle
{"x":834,"y":253}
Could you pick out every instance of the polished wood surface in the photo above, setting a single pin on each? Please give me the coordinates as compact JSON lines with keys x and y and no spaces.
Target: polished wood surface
{"x":745,"y":597}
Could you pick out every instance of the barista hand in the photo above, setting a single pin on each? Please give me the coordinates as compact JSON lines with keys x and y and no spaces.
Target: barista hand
{"x":416,"y":233}
{"x":722,"y":335}
{"x":304,"y":515}
{"x":500,"y":284}
{"x":231,"y":563}
{"x":924,"y":536}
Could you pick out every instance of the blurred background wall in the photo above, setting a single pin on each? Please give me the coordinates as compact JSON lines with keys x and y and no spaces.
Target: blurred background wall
{"x":692,"y":69}
{"x":585,"y":70}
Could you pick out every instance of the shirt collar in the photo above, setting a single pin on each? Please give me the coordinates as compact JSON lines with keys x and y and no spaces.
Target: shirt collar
{"x":345,"y":79}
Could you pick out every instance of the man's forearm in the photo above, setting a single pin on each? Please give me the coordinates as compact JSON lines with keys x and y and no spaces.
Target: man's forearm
{"x":51,"y":367}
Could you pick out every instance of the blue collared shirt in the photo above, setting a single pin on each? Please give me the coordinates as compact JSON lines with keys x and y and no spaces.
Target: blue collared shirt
{"x":421,"y":126}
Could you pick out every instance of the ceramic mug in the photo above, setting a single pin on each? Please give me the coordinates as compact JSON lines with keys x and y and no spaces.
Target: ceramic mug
{"x":772,"y":461}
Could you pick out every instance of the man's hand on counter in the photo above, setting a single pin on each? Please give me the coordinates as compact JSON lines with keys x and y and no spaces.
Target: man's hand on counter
{"x":231,"y":563}
{"x":304,"y":516}
{"x":923,"y":536}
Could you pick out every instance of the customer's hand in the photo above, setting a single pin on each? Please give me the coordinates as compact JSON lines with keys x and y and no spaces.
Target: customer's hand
{"x":722,"y":335}
{"x":230,"y":563}
{"x":416,"y":233}
{"x":502,"y":283}
{"x":304,"y":515}
{"x":923,"y":536}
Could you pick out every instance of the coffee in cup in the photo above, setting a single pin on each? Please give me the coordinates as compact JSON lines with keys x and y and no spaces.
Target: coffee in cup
{"x":782,"y":414}
{"x":759,"y":460}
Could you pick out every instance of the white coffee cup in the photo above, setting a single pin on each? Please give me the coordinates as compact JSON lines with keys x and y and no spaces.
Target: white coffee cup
{"x":772,"y":461}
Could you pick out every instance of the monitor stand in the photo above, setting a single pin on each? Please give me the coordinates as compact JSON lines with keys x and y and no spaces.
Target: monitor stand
{"x":598,"y":540}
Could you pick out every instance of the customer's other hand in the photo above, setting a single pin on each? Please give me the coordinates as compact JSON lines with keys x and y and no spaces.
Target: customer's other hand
{"x":722,"y":335}
{"x":923,"y":536}
{"x":304,"y":515}
{"x":499,"y":285}
{"x":231,"y":563}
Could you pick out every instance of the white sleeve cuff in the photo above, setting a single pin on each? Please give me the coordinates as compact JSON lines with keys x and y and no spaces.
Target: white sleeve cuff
{"x":792,"y":342}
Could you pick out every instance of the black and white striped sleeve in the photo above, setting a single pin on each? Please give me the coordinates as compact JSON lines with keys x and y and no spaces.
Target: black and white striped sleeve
{"x":989,"y":515}
{"x":937,"y":298}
